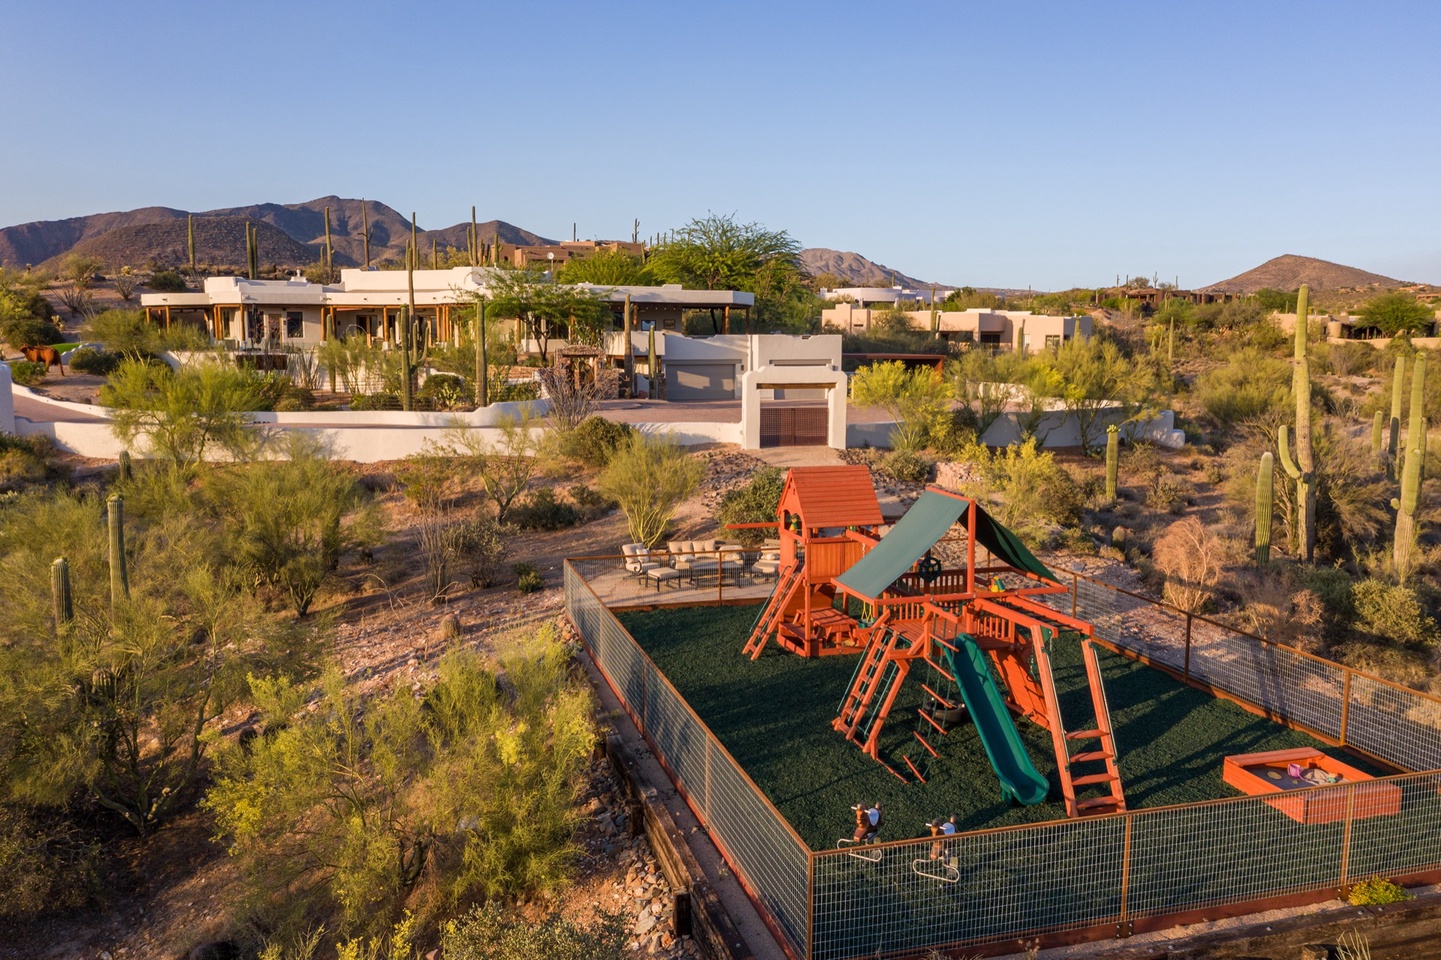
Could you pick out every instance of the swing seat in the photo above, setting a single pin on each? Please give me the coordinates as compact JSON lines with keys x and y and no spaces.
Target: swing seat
{"x":944,"y":870}
{"x":855,"y":849}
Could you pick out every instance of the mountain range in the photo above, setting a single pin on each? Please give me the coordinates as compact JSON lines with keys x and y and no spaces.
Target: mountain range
{"x":1288,"y":272}
{"x":290,"y":235}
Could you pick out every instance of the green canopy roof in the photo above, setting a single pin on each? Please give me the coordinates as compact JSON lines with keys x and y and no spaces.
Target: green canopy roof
{"x":919,"y":530}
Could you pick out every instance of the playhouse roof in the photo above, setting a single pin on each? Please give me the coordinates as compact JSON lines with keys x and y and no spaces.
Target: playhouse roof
{"x":833,"y":496}
{"x":919,"y":530}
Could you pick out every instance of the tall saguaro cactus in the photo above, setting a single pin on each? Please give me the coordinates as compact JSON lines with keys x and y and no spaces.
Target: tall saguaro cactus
{"x":1113,"y":459}
{"x":119,"y":575}
{"x":60,"y":592}
{"x":1302,"y":468}
{"x":252,"y":249}
{"x":482,"y":371}
{"x":474,"y":239}
{"x":1265,"y":490}
{"x":329,"y":250}
{"x":628,"y":324}
{"x":1416,"y":430}
{"x":365,"y":232}
{"x":1378,"y":433}
{"x":190,"y":240}
{"x":1393,"y":440}
{"x":1403,"y":548}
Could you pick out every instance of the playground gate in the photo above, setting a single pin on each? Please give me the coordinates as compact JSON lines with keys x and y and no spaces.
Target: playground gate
{"x":1110,"y":875}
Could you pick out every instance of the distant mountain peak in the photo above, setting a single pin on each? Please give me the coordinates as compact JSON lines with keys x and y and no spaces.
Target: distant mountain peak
{"x":1289,"y":271}
{"x":858,"y":271}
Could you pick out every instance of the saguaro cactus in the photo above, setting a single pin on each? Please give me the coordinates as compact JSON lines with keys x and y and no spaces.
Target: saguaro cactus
{"x":329,"y":251}
{"x":125,"y":471}
{"x":60,"y":592}
{"x":1113,"y":459}
{"x":119,"y":576}
{"x":1403,"y":548}
{"x":1378,"y":433}
{"x":190,"y":239}
{"x":365,"y":232}
{"x":1171,"y":347}
{"x":1416,"y":430}
{"x":474,"y":239}
{"x":1264,"y":492}
{"x":1393,"y":441}
{"x":1302,"y":468}
{"x":482,"y":371}
{"x":628,"y":325}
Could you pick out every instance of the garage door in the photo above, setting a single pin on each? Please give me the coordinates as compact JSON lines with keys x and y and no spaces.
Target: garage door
{"x":700,"y":381}
{"x":794,"y":426}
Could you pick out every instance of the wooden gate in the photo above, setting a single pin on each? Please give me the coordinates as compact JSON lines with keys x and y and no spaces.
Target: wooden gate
{"x":794,"y":426}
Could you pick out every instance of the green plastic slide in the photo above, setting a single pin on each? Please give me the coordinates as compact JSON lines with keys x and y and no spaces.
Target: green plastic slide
{"x":1019,"y":778}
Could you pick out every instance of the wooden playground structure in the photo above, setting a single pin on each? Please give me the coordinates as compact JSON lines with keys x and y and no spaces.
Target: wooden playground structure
{"x":977,"y":640}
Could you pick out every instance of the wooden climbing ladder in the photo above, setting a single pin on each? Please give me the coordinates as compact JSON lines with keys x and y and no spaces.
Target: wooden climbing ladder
{"x":771,"y":616}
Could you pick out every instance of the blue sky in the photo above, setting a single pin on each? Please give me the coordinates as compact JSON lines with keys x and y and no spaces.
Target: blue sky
{"x":996,"y":144}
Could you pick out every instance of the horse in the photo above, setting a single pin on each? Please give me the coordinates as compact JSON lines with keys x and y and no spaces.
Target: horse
{"x":46,"y":355}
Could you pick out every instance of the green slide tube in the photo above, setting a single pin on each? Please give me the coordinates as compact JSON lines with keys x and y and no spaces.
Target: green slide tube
{"x":1020,"y":781}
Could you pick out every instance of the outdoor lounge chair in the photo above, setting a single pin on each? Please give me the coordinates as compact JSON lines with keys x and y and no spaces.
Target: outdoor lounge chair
{"x":768,"y":565}
{"x":637,"y":559}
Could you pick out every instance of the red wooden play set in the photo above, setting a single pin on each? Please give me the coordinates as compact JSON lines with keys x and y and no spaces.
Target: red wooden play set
{"x":980,"y":636}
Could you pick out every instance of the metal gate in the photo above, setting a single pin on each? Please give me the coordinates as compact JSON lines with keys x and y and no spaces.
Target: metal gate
{"x":794,"y":426}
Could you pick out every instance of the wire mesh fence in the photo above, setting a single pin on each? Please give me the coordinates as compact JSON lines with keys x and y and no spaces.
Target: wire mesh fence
{"x":908,"y":897}
{"x":762,"y":848}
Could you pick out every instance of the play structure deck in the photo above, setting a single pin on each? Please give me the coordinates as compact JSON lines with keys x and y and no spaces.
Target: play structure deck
{"x":1281,"y":772}
{"x":977,"y":640}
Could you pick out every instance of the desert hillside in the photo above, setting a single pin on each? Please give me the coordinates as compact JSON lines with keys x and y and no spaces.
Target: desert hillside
{"x":1289,"y":271}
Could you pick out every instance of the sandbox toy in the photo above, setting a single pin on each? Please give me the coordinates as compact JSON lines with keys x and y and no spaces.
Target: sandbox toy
{"x":1286,"y":776}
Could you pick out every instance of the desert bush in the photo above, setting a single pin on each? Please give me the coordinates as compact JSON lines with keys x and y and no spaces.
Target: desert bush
{"x":914,"y":398}
{"x":573,"y":391}
{"x":166,"y":281}
{"x":100,"y":363}
{"x":527,"y":578}
{"x":590,"y":504}
{"x":47,"y":864}
{"x":595,"y":439}
{"x":1189,"y":555}
{"x":489,"y":933}
{"x":445,"y":391}
{"x":27,"y":331}
{"x":1251,"y":386}
{"x":542,"y":510}
{"x":348,"y":805}
{"x":375,"y":401}
{"x":756,"y":502}
{"x":26,"y":373}
{"x":1033,"y":486}
{"x":181,"y":414}
{"x":289,"y":522}
{"x":504,"y":468}
{"x":952,"y":431}
{"x":1376,"y":891}
{"x":1352,"y":359}
{"x":481,"y":545}
{"x":650,"y":476}
{"x":1394,"y":614}
{"x":905,"y":466}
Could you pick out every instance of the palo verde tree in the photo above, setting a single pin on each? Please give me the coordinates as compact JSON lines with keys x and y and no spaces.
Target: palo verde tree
{"x":1399,"y":313}
{"x":650,"y":477}
{"x":606,"y":268}
{"x":1094,"y":381}
{"x":547,"y":309}
{"x":913,"y":398}
{"x":719,"y":253}
{"x":180,"y":415}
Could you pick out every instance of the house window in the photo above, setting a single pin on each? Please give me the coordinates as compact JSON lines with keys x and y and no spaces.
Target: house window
{"x":1053,"y":341}
{"x":294,"y":325}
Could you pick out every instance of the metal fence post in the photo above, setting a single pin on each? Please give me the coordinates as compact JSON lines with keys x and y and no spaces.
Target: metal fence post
{"x":1075,"y":592}
{"x":1123,"y":923}
{"x":1345,"y":705}
{"x":1186,"y":669}
{"x":1346,"y":843}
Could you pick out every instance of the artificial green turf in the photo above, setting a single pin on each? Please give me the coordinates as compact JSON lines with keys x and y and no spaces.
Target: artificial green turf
{"x":774,"y":716}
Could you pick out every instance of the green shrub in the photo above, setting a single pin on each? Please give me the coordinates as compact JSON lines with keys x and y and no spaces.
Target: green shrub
{"x":756,"y":502}
{"x":473,"y":786}
{"x":589,"y":503}
{"x":543,"y":511}
{"x":1251,"y":386}
{"x":527,"y":578}
{"x":595,"y":440}
{"x":25,"y":373}
{"x":445,"y":391}
{"x":1394,"y":614}
{"x":166,"y":281}
{"x":488,"y":933}
{"x":481,"y":544}
{"x":375,"y":401}
{"x":28,"y":331}
{"x":100,"y":363}
{"x":45,"y":865}
{"x":905,"y":466}
{"x":1377,"y":892}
